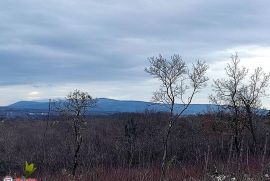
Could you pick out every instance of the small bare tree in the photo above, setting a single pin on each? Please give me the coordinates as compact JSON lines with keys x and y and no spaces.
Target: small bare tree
{"x":176,"y":82}
{"x":74,"y":108}
{"x":251,"y":95}
{"x":227,"y":95}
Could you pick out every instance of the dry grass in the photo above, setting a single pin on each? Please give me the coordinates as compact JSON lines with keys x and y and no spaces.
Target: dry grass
{"x":183,"y":173}
{"x":124,"y":174}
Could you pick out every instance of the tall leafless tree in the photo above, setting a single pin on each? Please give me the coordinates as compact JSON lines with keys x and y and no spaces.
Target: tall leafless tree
{"x":227,"y":94}
{"x":74,"y":108}
{"x":178,"y":83}
{"x":241,"y":96}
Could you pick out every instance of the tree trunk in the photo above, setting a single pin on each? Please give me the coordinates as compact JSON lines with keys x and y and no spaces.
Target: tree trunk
{"x":252,"y":127}
{"x":165,"y":153}
{"x":75,"y":158}
{"x":78,"y":140}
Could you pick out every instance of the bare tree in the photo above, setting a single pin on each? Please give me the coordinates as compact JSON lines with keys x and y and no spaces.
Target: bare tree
{"x":251,"y":95}
{"x":74,"y":108}
{"x":241,"y":96}
{"x":227,"y":94}
{"x":175,"y":76}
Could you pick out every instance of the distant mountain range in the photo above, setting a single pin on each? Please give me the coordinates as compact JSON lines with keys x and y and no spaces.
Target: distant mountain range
{"x":107,"y":106}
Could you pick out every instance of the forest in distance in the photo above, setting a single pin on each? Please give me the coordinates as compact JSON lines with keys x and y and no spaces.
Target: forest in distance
{"x":229,"y":143}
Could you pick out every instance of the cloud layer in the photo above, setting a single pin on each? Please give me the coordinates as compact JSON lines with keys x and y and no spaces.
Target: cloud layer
{"x":52,"y":46}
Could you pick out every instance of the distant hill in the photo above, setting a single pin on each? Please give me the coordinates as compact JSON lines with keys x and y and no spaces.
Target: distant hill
{"x":105,"y":105}
{"x":30,"y":105}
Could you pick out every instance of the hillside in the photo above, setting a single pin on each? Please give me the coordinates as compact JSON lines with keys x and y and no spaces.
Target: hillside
{"x":105,"y":105}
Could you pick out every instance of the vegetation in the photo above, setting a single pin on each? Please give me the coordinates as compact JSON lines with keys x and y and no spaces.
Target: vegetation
{"x":107,"y":150}
{"x":29,"y":169}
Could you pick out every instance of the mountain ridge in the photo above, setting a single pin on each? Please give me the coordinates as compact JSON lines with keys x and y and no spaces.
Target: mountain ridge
{"x":118,"y":106}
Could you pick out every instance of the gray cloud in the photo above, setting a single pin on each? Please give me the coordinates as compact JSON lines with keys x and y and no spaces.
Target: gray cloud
{"x":54,"y":42}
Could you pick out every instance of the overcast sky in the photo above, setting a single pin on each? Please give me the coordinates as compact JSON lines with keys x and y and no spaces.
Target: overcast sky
{"x":51,"y":47}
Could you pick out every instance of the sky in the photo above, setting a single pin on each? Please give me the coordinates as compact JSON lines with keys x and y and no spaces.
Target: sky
{"x":49,"y":48}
